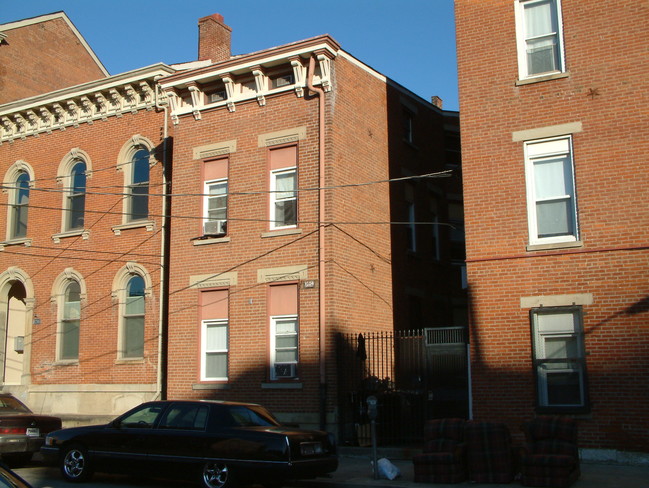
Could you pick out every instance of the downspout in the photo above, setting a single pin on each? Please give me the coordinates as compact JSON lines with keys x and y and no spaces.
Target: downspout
{"x":164,"y":258}
{"x":322,"y":338}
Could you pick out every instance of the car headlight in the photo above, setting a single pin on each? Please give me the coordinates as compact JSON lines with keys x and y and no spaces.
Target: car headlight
{"x":310,"y":448}
{"x":49,"y":441}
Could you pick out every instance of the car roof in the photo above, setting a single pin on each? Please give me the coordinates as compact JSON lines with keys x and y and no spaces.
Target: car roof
{"x":214,"y":402}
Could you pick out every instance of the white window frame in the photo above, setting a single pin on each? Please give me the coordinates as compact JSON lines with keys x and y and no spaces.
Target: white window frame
{"x":274,"y":193}
{"x":273,"y":345}
{"x":545,"y":150}
{"x":522,"y":38}
{"x":572,"y":328}
{"x":205,"y":351}
{"x":207,"y":197}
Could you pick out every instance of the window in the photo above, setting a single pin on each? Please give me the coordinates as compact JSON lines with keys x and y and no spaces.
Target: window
{"x":214,"y":335}
{"x":76,"y":197}
{"x":20,"y":206}
{"x":133,"y":319}
{"x":142,"y":417}
{"x":283,"y":187}
{"x":539,"y":37}
{"x":284,"y":331}
{"x":407,"y":126}
{"x":559,"y":358}
{"x":215,"y":350}
{"x":216,"y":208}
{"x":215,"y":197}
{"x":551,"y":199}
{"x":185,"y":417}
{"x":284,"y":351}
{"x":70,"y":322}
{"x":412,"y":228}
{"x":138,"y":187}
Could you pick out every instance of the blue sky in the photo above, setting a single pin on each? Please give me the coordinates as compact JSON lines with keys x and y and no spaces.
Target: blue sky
{"x":410,"y":41}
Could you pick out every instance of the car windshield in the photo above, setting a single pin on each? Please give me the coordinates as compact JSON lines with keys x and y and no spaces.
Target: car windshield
{"x":11,"y":405}
{"x":251,"y":416}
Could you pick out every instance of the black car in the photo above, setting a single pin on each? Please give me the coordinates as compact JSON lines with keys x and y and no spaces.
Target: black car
{"x":217,"y":444}
{"x":22,"y":432}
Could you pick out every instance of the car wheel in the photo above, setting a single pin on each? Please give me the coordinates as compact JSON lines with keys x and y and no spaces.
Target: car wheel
{"x":75,"y":465}
{"x":217,"y":475}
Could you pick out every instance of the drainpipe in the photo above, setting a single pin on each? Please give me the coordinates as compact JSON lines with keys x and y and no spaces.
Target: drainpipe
{"x":160,"y":393}
{"x":322,"y":338}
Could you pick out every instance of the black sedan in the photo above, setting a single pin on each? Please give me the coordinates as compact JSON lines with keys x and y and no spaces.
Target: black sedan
{"x":21,"y":431}
{"x":218,"y":444}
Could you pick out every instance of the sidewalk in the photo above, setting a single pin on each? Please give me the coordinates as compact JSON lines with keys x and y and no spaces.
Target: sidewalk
{"x":355,"y":471}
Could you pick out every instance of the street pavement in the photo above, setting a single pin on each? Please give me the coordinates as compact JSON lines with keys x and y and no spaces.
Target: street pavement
{"x":355,"y":471}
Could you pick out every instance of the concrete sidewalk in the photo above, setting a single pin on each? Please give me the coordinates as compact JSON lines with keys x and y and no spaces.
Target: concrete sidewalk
{"x":355,"y":471}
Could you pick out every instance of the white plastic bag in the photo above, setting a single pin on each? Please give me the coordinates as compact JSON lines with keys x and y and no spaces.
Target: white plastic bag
{"x":387,"y":470}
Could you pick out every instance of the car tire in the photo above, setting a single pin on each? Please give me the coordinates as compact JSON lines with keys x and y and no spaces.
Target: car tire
{"x":217,"y":475}
{"x":75,"y":464}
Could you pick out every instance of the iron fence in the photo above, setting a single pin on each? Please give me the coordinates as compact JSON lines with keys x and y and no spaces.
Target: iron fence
{"x":415,"y":375}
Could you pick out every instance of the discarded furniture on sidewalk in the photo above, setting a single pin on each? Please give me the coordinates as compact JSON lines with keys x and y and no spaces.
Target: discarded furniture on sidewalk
{"x":443,"y":459}
{"x":550,"y":456}
{"x":489,"y":453}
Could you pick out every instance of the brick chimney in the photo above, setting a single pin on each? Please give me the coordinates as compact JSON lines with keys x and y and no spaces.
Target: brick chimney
{"x":214,"y":39}
{"x":437,"y":101}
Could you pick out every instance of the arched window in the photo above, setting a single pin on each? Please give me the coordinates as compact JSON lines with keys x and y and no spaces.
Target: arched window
{"x":70,"y":322}
{"x":133,"y":319}
{"x":138,"y":186}
{"x":76,"y":197}
{"x":20,"y":206}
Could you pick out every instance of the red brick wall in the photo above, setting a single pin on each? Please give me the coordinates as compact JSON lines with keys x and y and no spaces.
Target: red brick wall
{"x":98,"y":259}
{"x":43,"y":57}
{"x":606,"y":91}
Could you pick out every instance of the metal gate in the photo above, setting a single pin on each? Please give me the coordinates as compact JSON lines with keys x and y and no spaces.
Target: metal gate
{"x":416,"y":375}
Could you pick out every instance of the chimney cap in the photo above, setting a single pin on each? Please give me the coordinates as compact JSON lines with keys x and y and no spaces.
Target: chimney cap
{"x":216,"y":17}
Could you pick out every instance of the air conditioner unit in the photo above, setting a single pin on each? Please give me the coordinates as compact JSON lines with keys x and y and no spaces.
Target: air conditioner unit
{"x":285,"y":370}
{"x":215,"y":228}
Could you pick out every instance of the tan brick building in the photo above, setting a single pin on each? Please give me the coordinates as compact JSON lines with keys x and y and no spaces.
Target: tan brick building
{"x":281,"y":234}
{"x":44,"y":54}
{"x":553,"y":95}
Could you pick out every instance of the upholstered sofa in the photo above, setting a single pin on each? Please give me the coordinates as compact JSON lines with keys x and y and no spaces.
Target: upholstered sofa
{"x":443,"y":459}
{"x":489,"y":454}
{"x":550,"y":456}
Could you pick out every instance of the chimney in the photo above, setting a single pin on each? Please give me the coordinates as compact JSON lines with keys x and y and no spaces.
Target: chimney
{"x":435,"y":100}
{"x":214,"y":39}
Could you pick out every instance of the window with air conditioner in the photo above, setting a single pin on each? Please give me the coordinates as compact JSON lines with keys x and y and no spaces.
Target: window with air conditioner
{"x":216,"y":208}
{"x":284,"y":347}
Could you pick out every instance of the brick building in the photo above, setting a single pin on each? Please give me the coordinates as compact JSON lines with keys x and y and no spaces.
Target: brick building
{"x":555,"y":136}
{"x":281,"y":234}
{"x":297,"y":212}
{"x":82,"y":248}
{"x":44,"y":54}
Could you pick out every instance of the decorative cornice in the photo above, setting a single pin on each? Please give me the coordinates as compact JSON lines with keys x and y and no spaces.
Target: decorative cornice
{"x":83,"y":104}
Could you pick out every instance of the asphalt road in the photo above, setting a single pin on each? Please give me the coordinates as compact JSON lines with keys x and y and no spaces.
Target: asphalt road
{"x":40,"y":476}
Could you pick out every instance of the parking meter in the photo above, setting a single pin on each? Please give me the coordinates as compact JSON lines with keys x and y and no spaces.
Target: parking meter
{"x":372,"y":410}
{"x":372,"y":413}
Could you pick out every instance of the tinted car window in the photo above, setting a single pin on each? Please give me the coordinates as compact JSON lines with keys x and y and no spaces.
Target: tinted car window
{"x":246,"y":417}
{"x":10,"y":404}
{"x":186,"y":417}
{"x":141,"y":418}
